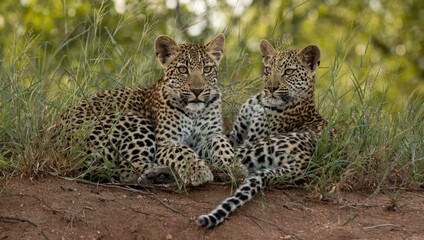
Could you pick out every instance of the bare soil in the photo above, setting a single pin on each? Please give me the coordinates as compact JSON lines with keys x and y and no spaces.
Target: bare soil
{"x":54,"y":208}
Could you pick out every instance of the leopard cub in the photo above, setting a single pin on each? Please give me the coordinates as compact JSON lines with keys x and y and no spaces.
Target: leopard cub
{"x":167,"y":128}
{"x":276,"y":131}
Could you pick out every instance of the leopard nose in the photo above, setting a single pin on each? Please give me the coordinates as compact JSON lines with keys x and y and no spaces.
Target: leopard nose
{"x":196,"y":92}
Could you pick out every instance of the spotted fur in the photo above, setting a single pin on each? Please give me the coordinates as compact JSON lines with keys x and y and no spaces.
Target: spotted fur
{"x":171,"y":125}
{"x":276,"y":131}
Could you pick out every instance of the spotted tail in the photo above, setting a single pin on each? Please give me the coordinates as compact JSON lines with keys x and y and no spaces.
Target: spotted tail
{"x":244,"y":193}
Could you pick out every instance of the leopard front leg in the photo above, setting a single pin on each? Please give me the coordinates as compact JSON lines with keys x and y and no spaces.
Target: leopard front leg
{"x":185,"y":162}
{"x":219,"y":153}
{"x":238,"y":134}
{"x":224,"y":160}
{"x":173,"y":132}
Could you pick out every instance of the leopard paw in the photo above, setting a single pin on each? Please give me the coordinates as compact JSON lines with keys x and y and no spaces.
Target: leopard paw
{"x":230,"y":172}
{"x":197,"y":174}
{"x":157,"y":175}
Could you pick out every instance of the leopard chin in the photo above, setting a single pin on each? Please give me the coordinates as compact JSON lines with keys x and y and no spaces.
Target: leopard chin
{"x":195,"y":106}
{"x":273,"y":101}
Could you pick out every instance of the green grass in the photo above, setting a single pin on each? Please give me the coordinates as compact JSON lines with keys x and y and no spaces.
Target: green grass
{"x":380,"y":143}
{"x":379,"y":146}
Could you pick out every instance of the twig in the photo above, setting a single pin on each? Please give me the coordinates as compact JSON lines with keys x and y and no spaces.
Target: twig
{"x":163,"y":187}
{"x":65,"y":214}
{"x":105,"y":185}
{"x":221,"y":183}
{"x":350,"y":219}
{"x":358,"y":205}
{"x":37,"y":198}
{"x":257,"y":224}
{"x":19,"y":219}
{"x":286,"y":187}
{"x":147,"y":192}
{"x":410,"y":189}
{"x":380,"y":225}
{"x":270,"y":223}
{"x":126,"y":187}
{"x":164,"y":204}
{"x":139,"y":211}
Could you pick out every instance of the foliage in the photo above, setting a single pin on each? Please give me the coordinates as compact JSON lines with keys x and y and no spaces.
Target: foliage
{"x":391,"y":29}
{"x":370,"y":83}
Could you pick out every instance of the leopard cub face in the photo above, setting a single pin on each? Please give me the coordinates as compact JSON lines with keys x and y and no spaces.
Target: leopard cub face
{"x":191,"y":76}
{"x":288,"y":74}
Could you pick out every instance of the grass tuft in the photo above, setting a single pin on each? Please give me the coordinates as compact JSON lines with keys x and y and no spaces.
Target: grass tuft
{"x":377,"y":147}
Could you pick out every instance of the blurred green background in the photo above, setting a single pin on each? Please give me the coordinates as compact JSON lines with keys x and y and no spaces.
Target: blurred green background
{"x":392,"y":30}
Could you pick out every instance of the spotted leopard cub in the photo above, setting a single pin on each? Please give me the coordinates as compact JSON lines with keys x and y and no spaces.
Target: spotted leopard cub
{"x":171,"y":125}
{"x":276,"y":131}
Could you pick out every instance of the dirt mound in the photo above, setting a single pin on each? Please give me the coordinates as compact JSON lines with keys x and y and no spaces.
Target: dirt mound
{"x":55,"y":208}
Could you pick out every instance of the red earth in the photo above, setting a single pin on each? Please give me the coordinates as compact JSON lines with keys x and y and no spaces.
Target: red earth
{"x":55,"y":208}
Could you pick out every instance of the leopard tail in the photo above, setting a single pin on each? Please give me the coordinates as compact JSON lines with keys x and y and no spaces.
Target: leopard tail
{"x":244,"y":193}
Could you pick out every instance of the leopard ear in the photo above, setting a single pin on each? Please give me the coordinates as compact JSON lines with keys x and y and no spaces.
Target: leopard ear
{"x":267,"y":50}
{"x":311,"y":56}
{"x":166,"y":50}
{"x":215,"y":49}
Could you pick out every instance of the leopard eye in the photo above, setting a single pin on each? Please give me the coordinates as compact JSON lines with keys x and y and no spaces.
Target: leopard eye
{"x":207,"y":69}
{"x":182,"y":70}
{"x":267,"y":71}
{"x":289,"y":71}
